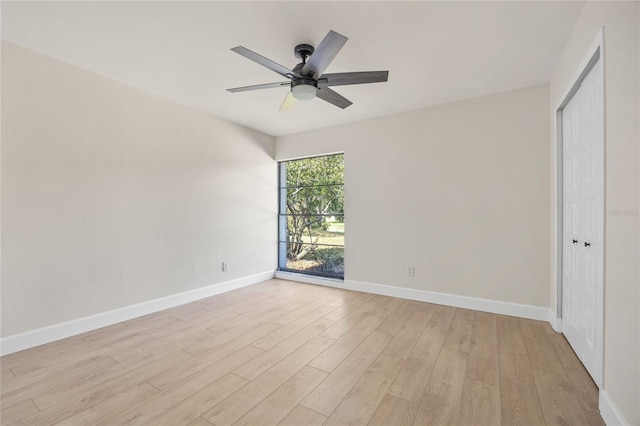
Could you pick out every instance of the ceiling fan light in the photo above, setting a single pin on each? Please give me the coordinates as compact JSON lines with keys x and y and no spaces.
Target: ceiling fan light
{"x":304,"y":92}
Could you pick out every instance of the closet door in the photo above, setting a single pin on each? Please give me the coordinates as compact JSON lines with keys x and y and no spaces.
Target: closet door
{"x":583,"y":180}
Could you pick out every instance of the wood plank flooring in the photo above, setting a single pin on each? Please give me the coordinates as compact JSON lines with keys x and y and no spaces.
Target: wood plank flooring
{"x":285,"y":353}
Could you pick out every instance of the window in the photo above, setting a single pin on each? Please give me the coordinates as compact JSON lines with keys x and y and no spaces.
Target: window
{"x":311,"y":216}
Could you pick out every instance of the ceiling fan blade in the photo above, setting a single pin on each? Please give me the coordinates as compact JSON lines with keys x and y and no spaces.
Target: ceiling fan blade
{"x":288,"y":103}
{"x":333,"y":97}
{"x":259,"y":86}
{"x":268,"y":63}
{"x":344,"y":78}
{"x":324,"y":54}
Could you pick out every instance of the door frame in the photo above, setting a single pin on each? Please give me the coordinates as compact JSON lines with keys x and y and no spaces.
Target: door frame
{"x":594,"y":54}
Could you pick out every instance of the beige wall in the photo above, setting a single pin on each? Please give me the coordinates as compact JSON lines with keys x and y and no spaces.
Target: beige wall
{"x":622,"y":140}
{"x":460,"y":191}
{"x":112,"y":196}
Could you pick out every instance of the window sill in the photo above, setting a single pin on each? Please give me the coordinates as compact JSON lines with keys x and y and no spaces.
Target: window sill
{"x":309,"y":279}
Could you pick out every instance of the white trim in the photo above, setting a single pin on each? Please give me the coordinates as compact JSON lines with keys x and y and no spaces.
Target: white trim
{"x":610,"y":412}
{"x":486,"y":305}
{"x":586,"y":64}
{"x":305,"y":156}
{"x":40,"y":336}
{"x":555,"y":321}
{"x":309,"y":279}
{"x":583,"y":68}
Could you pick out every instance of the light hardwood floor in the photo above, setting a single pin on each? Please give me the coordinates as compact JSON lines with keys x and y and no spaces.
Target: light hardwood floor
{"x":294,"y":354}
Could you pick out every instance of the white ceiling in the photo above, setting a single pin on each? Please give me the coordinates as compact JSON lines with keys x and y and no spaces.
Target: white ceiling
{"x":435,"y":52}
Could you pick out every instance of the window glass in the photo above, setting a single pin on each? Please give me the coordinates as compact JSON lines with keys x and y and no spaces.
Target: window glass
{"x":311,"y":216}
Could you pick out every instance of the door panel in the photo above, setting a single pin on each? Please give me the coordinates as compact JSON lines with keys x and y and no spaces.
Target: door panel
{"x":583,"y":180}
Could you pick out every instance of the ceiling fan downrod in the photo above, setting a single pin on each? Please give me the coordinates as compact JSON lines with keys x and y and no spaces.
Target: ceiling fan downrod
{"x":303,"y":51}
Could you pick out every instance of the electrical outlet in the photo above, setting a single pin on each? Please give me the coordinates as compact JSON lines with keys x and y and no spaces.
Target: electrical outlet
{"x":225,"y":266}
{"x":411,"y":271}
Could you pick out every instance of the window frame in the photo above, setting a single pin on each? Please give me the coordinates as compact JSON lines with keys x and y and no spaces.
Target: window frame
{"x":283,"y":214}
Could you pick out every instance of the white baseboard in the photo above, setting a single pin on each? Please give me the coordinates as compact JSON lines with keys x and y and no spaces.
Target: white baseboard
{"x":556,"y":322}
{"x":40,"y":336}
{"x":610,"y":412}
{"x":486,"y":305}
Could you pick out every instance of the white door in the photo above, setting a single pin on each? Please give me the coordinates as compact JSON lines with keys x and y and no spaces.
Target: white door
{"x":583,"y":194}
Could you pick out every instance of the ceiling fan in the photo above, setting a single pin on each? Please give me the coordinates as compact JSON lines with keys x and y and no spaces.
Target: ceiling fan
{"x":306,"y":79}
